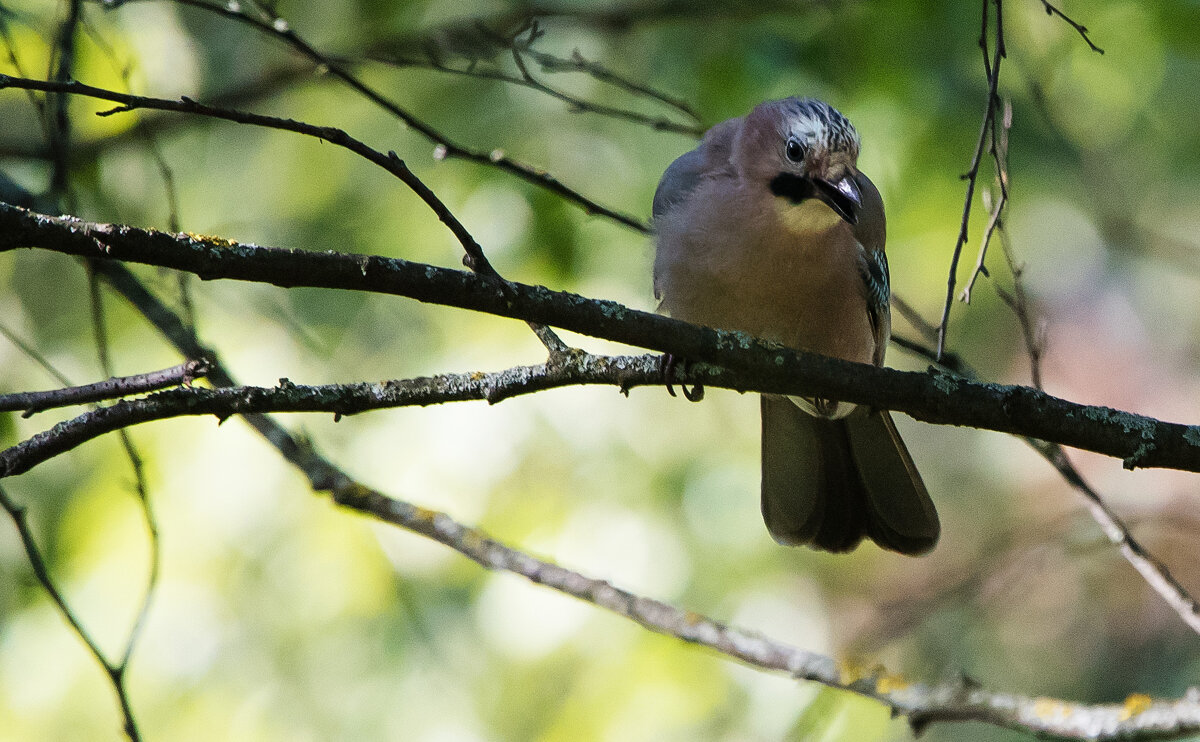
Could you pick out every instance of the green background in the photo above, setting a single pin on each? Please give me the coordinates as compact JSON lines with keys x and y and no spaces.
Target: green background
{"x":279,"y":617}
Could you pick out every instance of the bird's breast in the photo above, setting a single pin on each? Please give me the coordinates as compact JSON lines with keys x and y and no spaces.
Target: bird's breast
{"x":787,"y":274}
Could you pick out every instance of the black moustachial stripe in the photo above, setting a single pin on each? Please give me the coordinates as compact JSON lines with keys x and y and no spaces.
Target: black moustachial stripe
{"x":794,"y":188}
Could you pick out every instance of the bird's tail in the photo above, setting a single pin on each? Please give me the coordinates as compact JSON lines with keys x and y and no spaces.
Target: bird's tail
{"x":829,"y":483}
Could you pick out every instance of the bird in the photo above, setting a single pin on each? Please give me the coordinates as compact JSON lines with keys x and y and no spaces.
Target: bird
{"x":769,"y":228}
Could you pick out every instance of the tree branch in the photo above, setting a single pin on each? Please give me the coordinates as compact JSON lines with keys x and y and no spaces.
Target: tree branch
{"x":446,"y":147}
{"x":1138,"y":718}
{"x":115,"y":672}
{"x":934,"y":396}
{"x":122,"y":386}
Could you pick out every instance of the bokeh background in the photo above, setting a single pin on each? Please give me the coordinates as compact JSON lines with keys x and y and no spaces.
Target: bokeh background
{"x":279,"y":617}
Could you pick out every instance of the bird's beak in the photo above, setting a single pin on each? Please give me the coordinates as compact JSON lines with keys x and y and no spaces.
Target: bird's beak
{"x":842,"y":196}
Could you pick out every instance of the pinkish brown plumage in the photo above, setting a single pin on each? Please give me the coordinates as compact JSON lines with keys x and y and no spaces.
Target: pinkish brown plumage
{"x":769,"y":228}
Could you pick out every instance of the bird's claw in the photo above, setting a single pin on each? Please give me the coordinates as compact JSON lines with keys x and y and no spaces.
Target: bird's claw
{"x":668,"y":363}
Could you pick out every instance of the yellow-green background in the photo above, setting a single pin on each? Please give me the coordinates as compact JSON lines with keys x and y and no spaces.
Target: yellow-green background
{"x":280,"y":618}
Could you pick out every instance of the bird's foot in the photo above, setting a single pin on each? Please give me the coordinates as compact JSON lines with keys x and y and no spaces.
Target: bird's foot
{"x":668,"y":363}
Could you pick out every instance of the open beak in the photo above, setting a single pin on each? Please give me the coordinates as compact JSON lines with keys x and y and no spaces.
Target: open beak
{"x":842,"y":196}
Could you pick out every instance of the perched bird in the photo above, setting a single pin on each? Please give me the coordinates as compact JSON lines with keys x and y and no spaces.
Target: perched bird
{"x":769,"y":228}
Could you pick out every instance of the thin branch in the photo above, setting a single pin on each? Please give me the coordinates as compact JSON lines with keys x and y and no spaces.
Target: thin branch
{"x":116,"y":673}
{"x":333,"y":135}
{"x":32,"y":353}
{"x":999,"y":150}
{"x":474,"y":257}
{"x":518,"y":49}
{"x":991,"y":65}
{"x":1153,"y":571}
{"x":1137,"y":718}
{"x":191,"y":370}
{"x":445,"y":146}
{"x":577,"y":63}
{"x":1080,"y":29}
{"x":924,"y":704}
{"x":124,"y":386}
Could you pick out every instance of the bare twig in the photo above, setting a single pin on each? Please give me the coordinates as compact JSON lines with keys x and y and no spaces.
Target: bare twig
{"x":191,"y":370}
{"x":115,"y":672}
{"x":32,"y":353}
{"x":577,"y":63}
{"x":991,"y":64}
{"x":1081,"y":29}
{"x":520,"y":48}
{"x":999,"y":150}
{"x":1156,"y":574}
{"x":445,"y":147}
{"x":124,"y":386}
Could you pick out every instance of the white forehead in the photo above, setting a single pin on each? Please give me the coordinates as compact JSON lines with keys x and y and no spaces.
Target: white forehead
{"x":813,"y":121}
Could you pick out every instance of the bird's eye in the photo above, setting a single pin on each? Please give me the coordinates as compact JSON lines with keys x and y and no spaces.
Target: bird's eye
{"x":796,"y":150}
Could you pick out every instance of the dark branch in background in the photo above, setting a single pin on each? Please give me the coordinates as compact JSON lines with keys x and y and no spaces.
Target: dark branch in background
{"x":115,"y":672}
{"x":992,"y":56}
{"x":62,"y":64}
{"x":519,"y":49}
{"x":1156,"y":574}
{"x":934,"y":396}
{"x":446,"y":147}
{"x":125,"y":386}
{"x":999,"y":150}
{"x":190,"y":370}
{"x":1081,"y":29}
{"x":991,"y":65}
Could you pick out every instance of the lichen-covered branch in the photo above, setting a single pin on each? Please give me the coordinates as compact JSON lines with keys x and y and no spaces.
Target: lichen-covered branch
{"x":1139,"y":717}
{"x":934,"y":396}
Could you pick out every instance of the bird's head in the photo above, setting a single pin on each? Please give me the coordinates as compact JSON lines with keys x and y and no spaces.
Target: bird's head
{"x":802,"y":149}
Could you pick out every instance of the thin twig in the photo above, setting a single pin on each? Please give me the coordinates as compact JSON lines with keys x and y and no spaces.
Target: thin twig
{"x":1153,"y":571}
{"x":32,"y":353}
{"x":577,"y":63}
{"x":991,"y":63}
{"x":124,"y":386}
{"x":999,"y":150}
{"x":445,"y":147}
{"x":1081,"y":29}
{"x":116,"y":673}
{"x":141,"y":488}
{"x":518,"y":49}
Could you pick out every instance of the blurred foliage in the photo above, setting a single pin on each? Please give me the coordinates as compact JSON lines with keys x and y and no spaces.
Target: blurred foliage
{"x":278,"y":617}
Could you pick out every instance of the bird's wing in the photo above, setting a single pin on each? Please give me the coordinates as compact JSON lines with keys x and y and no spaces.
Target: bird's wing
{"x":710,"y":159}
{"x":678,"y":181}
{"x":871,"y":233}
{"x":875,"y":277}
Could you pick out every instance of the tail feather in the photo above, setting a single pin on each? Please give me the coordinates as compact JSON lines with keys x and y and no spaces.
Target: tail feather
{"x":830,"y":483}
